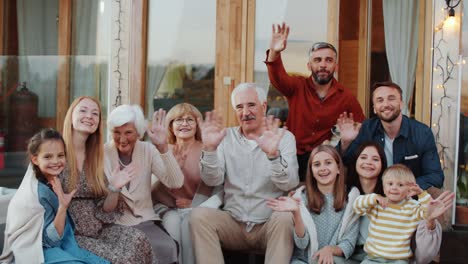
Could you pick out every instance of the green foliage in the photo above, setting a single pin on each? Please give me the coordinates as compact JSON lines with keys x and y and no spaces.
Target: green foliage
{"x":462,"y":186}
{"x":462,"y":190}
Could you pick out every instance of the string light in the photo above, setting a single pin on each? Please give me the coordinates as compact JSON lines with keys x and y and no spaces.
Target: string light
{"x":118,"y":97}
{"x":444,"y":66}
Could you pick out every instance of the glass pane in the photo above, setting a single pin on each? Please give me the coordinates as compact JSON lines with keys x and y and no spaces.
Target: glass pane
{"x":461,"y":212}
{"x":28,"y":80}
{"x":30,"y":67}
{"x":91,"y":36}
{"x":462,"y":181}
{"x":301,"y":37}
{"x":181,"y":54}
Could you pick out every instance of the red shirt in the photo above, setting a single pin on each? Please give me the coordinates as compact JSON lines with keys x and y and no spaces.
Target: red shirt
{"x":310,"y":119}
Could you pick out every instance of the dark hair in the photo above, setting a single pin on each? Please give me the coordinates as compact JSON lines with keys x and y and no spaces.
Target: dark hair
{"x":315,"y":197}
{"x":388,"y":84}
{"x":321,"y":45}
{"x":353,"y":177}
{"x":37,"y":140}
{"x":279,"y":112}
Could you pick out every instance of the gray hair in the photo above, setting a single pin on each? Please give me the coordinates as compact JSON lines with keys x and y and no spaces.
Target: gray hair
{"x":261,"y":94}
{"x":124,"y":114}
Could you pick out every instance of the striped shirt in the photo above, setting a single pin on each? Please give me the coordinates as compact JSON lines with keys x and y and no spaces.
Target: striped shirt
{"x":391,"y":228}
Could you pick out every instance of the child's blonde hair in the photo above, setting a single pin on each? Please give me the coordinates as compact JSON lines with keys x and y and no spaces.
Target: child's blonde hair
{"x":398,"y":171}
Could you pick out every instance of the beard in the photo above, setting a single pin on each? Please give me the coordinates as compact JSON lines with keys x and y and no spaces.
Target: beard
{"x":391,"y":118}
{"x":322,"y":80}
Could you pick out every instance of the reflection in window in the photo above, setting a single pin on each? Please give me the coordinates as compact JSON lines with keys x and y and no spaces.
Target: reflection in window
{"x":303,"y":33}
{"x":30,"y":37}
{"x":181,"y":54}
{"x":28,"y":80}
{"x":462,"y":174}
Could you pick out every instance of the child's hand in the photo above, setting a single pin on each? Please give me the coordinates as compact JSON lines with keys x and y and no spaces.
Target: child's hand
{"x":324,"y":255}
{"x":64,"y":198}
{"x":383,"y":201}
{"x":284,"y":204}
{"x":413,"y":190}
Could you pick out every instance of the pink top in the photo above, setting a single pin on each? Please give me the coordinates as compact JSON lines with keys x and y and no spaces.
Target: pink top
{"x":188,"y":158}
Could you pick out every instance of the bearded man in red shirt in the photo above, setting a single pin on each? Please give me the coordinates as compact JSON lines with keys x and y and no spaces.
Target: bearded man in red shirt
{"x":315,"y":102}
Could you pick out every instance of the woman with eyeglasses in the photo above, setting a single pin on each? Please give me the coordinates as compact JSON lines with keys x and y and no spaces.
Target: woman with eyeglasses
{"x":184,"y":137}
{"x":129,"y":164}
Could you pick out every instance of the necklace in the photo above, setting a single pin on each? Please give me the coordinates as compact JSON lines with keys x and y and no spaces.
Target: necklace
{"x":122,"y":164}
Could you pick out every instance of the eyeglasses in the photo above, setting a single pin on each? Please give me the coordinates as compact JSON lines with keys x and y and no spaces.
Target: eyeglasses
{"x":179,"y":121}
{"x":322,"y":45}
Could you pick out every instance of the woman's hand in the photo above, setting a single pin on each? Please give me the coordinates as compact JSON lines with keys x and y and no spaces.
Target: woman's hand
{"x":63,"y":198}
{"x":158,"y":132}
{"x":183,"y":203}
{"x":212,"y":130}
{"x":284,"y":204}
{"x":349,"y":129}
{"x":324,"y":255}
{"x":271,"y":137}
{"x":120,"y":178}
{"x":440,"y":205}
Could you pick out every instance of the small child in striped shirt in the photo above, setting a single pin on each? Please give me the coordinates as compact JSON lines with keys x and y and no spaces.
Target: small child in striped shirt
{"x":394,"y":218}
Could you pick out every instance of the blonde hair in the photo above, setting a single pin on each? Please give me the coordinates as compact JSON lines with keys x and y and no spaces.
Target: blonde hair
{"x":94,"y":149}
{"x":400,"y":172}
{"x":177,"y":111}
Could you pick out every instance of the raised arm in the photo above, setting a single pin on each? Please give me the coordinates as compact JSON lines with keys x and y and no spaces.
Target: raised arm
{"x":420,"y":211}
{"x":64,"y":201}
{"x":211,"y":162}
{"x":349,"y":130}
{"x":289,"y":204}
{"x":364,"y":203}
{"x":281,"y":151}
{"x":279,"y":78}
{"x":158,"y":132}
{"x":164,"y":166}
{"x":279,"y":40}
{"x":429,"y":232}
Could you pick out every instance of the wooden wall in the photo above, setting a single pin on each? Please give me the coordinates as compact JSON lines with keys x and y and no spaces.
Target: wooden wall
{"x":348,"y":37}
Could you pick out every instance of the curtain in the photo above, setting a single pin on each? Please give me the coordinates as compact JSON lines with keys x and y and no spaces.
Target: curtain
{"x":401,"y":43}
{"x":37,"y":42}
{"x":85,"y":70}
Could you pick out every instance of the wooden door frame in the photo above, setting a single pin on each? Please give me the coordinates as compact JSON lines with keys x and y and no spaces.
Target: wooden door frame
{"x":138,"y":52}
{"x":64,"y":52}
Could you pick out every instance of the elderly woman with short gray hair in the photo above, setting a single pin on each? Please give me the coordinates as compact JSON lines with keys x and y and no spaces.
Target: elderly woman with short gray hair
{"x":129,"y":164}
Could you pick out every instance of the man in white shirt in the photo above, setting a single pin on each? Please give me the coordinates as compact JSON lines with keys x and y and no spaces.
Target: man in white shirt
{"x":255,"y":161}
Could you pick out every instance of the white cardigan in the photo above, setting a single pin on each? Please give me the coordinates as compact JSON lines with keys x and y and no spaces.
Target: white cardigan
{"x":349,"y":217}
{"x":24,"y":224}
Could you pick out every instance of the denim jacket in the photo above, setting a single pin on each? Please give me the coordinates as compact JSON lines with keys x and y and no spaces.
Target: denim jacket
{"x":414,"y":147}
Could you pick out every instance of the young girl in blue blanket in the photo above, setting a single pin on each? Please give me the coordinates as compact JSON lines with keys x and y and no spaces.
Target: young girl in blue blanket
{"x":41,"y":205}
